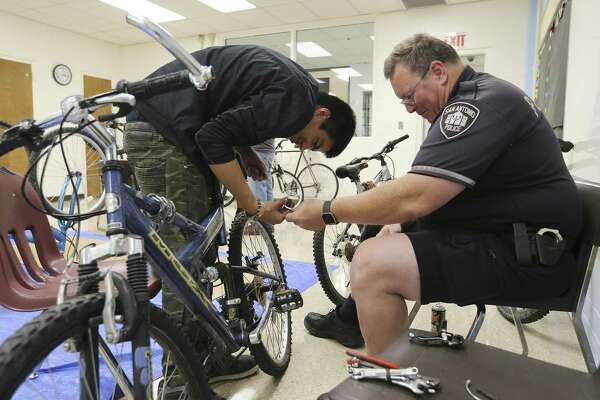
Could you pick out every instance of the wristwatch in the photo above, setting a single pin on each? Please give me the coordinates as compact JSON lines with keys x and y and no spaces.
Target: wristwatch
{"x":327,"y":215}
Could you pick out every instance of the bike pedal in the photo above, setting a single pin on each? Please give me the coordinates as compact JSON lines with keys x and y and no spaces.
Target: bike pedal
{"x":287,"y":300}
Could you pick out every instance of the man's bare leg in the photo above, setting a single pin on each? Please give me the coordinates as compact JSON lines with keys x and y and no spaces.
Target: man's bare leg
{"x":384,"y":273}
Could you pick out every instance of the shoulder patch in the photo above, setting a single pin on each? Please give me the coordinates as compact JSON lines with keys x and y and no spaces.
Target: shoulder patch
{"x":457,"y":118}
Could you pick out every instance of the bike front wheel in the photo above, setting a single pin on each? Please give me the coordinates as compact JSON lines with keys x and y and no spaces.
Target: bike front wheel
{"x":251,"y":244}
{"x":51,"y":176}
{"x":333,"y":250}
{"x":33,"y":364}
{"x":319,"y":182}
{"x":285,"y":184}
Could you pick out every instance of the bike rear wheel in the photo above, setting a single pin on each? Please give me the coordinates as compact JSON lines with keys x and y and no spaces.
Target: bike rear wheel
{"x":319,"y":182}
{"x":333,"y":250}
{"x":526,"y":315}
{"x":50,"y":176}
{"x":285,"y":184}
{"x":34,"y":365}
{"x":252,"y":245}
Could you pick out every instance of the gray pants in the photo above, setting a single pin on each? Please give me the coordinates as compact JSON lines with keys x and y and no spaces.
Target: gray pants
{"x":162,"y":169}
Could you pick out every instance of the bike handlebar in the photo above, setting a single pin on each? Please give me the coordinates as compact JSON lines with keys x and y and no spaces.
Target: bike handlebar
{"x":147,"y":88}
{"x":389,"y":146}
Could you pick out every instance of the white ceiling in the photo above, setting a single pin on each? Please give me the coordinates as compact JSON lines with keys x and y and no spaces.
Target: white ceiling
{"x":101,"y":21}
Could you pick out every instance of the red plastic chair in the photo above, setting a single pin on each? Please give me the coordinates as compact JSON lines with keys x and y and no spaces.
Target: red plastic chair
{"x":26,"y":284}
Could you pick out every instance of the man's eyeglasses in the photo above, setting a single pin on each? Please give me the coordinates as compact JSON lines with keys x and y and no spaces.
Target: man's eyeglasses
{"x":410,"y":100}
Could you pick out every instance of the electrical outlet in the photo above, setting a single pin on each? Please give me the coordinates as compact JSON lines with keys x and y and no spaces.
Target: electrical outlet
{"x":400,"y":125}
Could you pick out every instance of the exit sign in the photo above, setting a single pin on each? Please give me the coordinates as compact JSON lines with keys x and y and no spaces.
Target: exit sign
{"x":455,"y":39}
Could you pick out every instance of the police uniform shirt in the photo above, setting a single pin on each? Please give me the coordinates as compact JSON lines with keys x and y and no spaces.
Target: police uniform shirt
{"x":257,"y":94}
{"x":491,"y":138}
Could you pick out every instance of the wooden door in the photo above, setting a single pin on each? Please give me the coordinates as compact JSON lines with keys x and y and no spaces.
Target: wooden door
{"x":91,"y":86}
{"x":16,"y":103}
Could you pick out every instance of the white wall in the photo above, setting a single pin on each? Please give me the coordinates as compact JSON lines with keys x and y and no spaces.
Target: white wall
{"x":44,"y":46}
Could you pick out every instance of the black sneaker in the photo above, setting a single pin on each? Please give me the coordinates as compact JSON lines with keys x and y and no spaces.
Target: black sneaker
{"x":332,"y":327}
{"x":235,"y":368}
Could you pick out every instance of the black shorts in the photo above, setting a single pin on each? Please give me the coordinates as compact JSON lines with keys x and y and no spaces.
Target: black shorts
{"x":466,"y":267}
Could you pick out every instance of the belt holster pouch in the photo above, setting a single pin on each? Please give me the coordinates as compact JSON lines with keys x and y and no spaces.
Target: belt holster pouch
{"x":550,"y":247}
{"x":522,"y":249}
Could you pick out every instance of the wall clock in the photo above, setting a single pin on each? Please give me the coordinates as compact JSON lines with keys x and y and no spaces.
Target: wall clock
{"x":62,"y":74}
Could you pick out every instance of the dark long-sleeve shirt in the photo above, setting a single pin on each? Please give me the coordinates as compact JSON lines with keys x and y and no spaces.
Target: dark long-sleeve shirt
{"x":257,"y":94}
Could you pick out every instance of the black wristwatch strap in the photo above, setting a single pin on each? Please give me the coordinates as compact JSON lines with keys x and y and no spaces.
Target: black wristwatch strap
{"x":327,"y":215}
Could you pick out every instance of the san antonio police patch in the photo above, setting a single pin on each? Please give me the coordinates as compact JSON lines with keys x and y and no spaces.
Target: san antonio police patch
{"x":457,"y":118}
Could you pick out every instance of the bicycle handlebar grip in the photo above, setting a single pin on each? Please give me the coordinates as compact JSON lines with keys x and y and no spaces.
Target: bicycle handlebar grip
{"x":160,"y":84}
{"x":396,"y":141}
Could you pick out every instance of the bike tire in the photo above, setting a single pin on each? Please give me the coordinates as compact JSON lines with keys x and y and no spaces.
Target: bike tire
{"x":334,"y":272}
{"x":90,"y":168}
{"x":285,"y":184}
{"x":526,"y":315}
{"x":324,"y":185}
{"x":31,"y":344}
{"x":249,"y":241}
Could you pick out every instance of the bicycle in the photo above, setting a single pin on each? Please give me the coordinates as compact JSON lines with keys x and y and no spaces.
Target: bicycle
{"x":317,"y":180}
{"x":284,"y":183}
{"x":253,"y":312}
{"x":334,"y":246}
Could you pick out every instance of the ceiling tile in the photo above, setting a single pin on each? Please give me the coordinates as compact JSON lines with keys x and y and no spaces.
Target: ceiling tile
{"x":223,"y":22}
{"x":372,"y":7}
{"x":264,"y":3}
{"x":187,"y":27}
{"x":331,"y":8}
{"x":292,"y":13}
{"x":257,"y":18}
{"x":190,"y":9}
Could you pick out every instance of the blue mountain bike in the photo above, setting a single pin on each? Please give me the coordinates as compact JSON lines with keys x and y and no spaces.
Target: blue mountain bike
{"x":117,"y":341}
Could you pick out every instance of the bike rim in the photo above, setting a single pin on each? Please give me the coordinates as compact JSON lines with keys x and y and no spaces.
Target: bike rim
{"x":258,"y":248}
{"x":56,"y":175}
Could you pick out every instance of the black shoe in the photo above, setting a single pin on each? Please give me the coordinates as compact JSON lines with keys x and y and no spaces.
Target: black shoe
{"x":235,"y":368}
{"x":332,"y":327}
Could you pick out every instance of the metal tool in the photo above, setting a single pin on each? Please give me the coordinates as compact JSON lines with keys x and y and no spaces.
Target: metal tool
{"x":406,"y":377}
{"x":445,"y":338}
{"x":485,"y":395}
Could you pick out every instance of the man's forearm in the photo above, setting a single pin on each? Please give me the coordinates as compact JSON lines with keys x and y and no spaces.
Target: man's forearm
{"x":393,"y":202}
{"x":230,"y":175}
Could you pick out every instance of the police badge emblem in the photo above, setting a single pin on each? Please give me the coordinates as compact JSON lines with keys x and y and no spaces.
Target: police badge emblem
{"x":457,"y":118}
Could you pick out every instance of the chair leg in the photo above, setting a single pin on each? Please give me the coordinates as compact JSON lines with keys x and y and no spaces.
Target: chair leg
{"x":521,"y":332}
{"x":413,"y":313}
{"x":477,"y":322}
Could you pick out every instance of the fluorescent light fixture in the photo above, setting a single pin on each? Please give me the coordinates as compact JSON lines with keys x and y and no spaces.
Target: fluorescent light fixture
{"x":310,"y":49}
{"x":332,"y":94}
{"x":320,"y":81}
{"x":366,"y":86}
{"x":346,"y":71}
{"x":372,"y":37}
{"x":149,"y":10}
{"x":227,"y":6}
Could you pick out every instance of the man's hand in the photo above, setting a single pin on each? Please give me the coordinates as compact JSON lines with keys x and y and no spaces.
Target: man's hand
{"x":308,"y":215}
{"x":274,"y":212}
{"x":254,"y":166}
{"x":389,"y":229}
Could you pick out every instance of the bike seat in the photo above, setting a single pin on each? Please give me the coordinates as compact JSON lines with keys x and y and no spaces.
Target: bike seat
{"x":351,"y":171}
